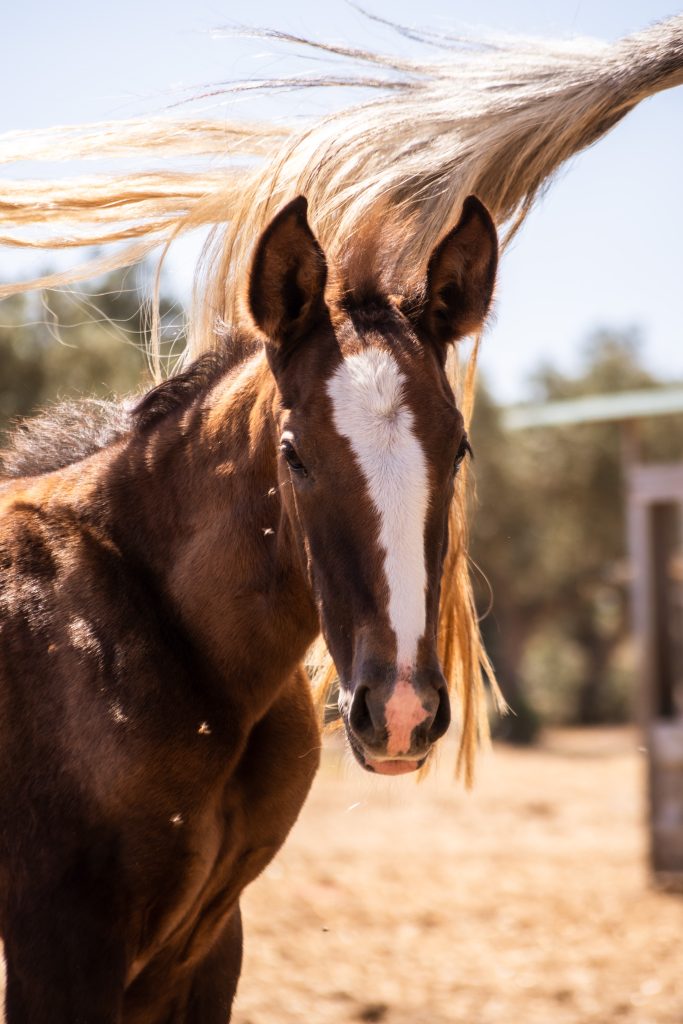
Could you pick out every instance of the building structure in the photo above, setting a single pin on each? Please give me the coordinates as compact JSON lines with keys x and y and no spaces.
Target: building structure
{"x":654,"y":507}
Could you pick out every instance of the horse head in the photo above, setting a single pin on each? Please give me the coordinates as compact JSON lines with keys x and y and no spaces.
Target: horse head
{"x":370,"y":440}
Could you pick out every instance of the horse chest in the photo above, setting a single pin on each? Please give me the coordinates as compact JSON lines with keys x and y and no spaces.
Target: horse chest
{"x":228,"y":839}
{"x":203,"y":876}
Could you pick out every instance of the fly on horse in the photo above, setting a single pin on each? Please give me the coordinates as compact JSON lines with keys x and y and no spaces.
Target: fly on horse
{"x":157,"y":731}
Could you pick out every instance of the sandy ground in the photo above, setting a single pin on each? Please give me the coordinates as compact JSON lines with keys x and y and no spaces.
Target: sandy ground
{"x":526,"y":902}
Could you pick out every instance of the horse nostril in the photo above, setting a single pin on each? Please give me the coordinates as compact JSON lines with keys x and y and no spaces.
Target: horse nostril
{"x":360,"y":718}
{"x":442,"y":718}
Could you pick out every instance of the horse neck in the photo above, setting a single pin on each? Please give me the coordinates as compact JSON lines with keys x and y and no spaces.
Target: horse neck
{"x":212,"y":526}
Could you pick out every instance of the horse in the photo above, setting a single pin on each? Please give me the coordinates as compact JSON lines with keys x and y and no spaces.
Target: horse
{"x":96,"y":525}
{"x":159,"y":591}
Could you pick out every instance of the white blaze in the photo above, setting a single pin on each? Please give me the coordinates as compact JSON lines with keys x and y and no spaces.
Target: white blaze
{"x":369,"y":410}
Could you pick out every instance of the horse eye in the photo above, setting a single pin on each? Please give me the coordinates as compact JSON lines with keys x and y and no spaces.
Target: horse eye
{"x":464,"y":449}
{"x":293,"y":461}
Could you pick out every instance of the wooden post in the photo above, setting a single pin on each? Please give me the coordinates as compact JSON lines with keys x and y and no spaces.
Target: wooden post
{"x":655,"y":507}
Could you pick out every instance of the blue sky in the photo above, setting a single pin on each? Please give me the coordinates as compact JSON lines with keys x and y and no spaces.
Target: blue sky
{"x":601,"y":249}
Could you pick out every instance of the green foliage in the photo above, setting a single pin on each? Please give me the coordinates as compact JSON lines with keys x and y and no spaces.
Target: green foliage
{"x":550,"y":536}
{"x":69,"y":344}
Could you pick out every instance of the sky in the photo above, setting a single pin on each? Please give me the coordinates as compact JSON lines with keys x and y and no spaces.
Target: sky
{"x":602,"y":249}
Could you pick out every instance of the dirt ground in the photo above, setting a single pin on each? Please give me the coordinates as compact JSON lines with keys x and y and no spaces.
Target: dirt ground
{"x":525,"y":902}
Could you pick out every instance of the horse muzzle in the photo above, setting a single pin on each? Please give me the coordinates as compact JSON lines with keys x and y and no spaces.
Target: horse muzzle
{"x":393,"y":725}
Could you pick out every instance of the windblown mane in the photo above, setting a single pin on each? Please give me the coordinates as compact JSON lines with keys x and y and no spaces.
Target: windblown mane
{"x":385,"y":180}
{"x":495,"y":117}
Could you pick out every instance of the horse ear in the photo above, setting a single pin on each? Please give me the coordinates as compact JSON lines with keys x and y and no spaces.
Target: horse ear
{"x":460,"y":277}
{"x":288,"y":275}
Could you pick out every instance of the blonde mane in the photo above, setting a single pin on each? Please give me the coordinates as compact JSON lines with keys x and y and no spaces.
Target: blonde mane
{"x":385,"y":179}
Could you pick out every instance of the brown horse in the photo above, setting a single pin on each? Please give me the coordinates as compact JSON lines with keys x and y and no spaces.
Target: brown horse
{"x":158,"y":593}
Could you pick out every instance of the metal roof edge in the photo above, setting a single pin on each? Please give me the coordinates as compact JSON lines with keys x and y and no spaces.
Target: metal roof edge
{"x":613,"y":407}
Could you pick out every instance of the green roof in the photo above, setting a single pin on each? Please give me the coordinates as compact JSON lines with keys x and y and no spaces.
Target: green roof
{"x":619,"y":406}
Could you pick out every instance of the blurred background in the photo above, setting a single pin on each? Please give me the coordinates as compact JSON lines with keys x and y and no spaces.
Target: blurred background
{"x":533,"y":898}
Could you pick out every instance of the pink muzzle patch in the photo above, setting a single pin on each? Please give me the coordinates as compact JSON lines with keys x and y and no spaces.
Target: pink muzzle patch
{"x":403,"y":712}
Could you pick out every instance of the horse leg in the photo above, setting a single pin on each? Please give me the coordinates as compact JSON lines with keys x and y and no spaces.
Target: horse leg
{"x":215,"y":980}
{"x":45,"y":986}
{"x":65,"y":955}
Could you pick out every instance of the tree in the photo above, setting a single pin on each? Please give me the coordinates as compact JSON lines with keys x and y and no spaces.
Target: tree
{"x":549,"y":532}
{"x":80,"y":342}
